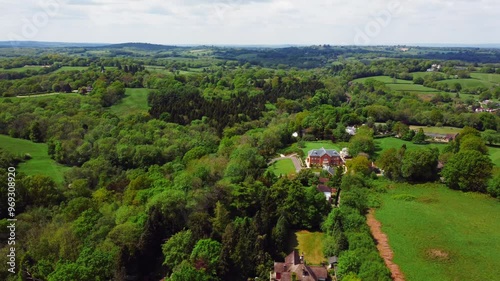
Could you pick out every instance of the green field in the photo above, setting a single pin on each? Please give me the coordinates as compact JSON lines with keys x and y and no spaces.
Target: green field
{"x":467,"y":83}
{"x":22,"y":69}
{"x":40,"y":162}
{"x":412,"y":88}
{"x":135,"y":101}
{"x":440,"y":234}
{"x":386,"y":143}
{"x":71,"y":68}
{"x":282,"y":167}
{"x":384,"y":79}
{"x":489,"y":77}
{"x":309,"y":243}
{"x":437,"y":130}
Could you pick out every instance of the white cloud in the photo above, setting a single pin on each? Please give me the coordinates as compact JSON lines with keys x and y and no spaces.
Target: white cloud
{"x":257,"y":21}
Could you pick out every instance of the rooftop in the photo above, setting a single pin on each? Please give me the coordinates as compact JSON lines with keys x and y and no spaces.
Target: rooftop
{"x":322,"y":151}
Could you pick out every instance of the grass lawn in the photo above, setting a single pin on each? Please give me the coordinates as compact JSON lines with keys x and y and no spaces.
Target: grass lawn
{"x":386,"y":143}
{"x":437,"y":130}
{"x":40,"y":162}
{"x":282,"y":167}
{"x":309,"y":145}
{"x":135,"y":101}
{"x":309,"y":243}
{"x":441,"y":234}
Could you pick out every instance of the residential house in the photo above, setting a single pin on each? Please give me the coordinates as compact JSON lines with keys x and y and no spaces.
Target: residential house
{"x":323,"y":157}
{"x":441,"y":137}
{"x":325,"y":189}
{"x":296,"y":268}
{"x":350,"y":130}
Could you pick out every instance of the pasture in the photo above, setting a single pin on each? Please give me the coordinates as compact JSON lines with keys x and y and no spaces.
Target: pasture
{"x":488,"y":77}
{"x":441,"y":234}
{"x":40,"y":163}
{"x":384,"y":79}
{"x":467,"y":83}
{"x":135,"y":101}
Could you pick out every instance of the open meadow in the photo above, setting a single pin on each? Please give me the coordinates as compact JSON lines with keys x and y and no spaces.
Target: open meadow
{"x":40,"y":163}
{"x":441,"y":234}
{"x":135,"y":101}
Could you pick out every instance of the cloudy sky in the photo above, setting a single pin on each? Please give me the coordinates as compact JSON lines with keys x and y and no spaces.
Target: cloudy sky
{"x":245,"y":22}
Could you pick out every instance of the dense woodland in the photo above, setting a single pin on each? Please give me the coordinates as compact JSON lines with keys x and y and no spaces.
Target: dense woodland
{"x":182,"y":192}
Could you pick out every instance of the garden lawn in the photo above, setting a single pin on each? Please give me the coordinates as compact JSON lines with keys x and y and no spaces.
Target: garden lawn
{"x":40,"y":163}
{"x":309,"y":243}
{"x":310,"y":145}
{"x":135,"y":101}
{"x":282,"y":167}
{"x":438,"y":234}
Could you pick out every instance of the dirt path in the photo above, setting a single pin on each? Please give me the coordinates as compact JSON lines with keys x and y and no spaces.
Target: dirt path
{"x":383,"y":246}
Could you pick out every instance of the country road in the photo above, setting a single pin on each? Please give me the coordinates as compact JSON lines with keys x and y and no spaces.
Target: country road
{"x":295,"y":159}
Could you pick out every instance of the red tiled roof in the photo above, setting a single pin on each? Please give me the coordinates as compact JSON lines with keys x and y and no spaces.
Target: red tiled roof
{"x":319,"y":271}
{"x":324,"y":180}
{"x":324,"y":188}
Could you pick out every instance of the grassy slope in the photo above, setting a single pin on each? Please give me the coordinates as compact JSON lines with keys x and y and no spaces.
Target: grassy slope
{"x":463,"y":225}
{"x":135,"y":101}
{"x":489,"y":77}
{"x":309,"y":243}
{"x":40,"y":162}
{"x":282,"y":167}
{"x":384,"y":79}
{"x":467,"y":83}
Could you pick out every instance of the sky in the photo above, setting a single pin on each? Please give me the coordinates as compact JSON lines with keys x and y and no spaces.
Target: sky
{"x":252,"y":22}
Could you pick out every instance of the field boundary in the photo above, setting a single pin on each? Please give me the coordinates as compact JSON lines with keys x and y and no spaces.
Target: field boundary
{"x":383,"y":246}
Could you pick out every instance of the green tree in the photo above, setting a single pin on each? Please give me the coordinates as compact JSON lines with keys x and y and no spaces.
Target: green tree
{"x":419,"y":138}
{"x":187,"y":272}
{"x":468,"y":171}
{"x":390,"y":161}
{"x":206,"y":254}
{"x":361,"y":143}
{"x":420,"y":164}
{"x":491,"y":136}
{"x":359,"y":165}
{"x":472,"y":142}
{"x":177,"y":249}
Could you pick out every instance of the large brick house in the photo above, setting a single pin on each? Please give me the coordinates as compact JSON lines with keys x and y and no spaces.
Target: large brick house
{"x":322,"y":156}
{"x":294,"y":265}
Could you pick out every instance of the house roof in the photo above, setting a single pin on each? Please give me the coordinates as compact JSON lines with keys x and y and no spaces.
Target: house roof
{"x":324,"y":180}
{"x":322,"y":151}
{"x":303,"y":272}
{"x":323,"y":188}
{"x":333,"y":259}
